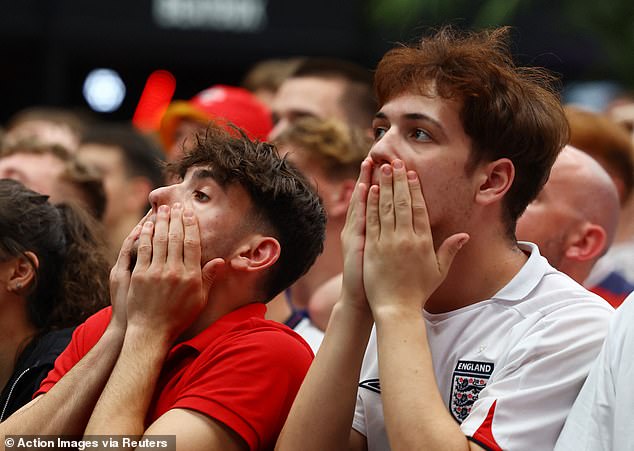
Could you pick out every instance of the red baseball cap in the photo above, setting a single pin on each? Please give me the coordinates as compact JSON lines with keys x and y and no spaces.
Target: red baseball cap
{"x":224,"y":104}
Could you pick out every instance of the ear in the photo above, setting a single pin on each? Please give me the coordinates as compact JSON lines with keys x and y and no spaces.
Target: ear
{"x":23,"y":273}
{"x":341,"y":199}
{"x":588,"y":243}
{"x":494,"y":180}
{"x":137,"y":197}
{"x":258,"y":253}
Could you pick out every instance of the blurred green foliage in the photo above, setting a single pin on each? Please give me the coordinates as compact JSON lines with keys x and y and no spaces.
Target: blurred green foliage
{"x":609,"y":23}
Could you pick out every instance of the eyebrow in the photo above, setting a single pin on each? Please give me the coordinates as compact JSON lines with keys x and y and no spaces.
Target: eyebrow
{"x":206,"y":173}
{"x":412,"y":117}
{"x":210,"y":175}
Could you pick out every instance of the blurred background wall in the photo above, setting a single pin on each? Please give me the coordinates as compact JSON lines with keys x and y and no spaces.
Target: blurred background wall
{"x":49,"y":47}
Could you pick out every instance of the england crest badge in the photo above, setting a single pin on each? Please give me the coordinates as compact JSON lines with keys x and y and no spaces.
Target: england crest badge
{"x":468,"y":380}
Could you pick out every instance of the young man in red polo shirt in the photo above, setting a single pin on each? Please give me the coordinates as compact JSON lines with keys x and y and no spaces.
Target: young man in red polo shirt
{"x":185,"y":349}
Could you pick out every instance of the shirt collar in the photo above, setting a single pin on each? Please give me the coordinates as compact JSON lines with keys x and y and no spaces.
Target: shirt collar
{"x":221,"y":326}
{"x":528,"y":277}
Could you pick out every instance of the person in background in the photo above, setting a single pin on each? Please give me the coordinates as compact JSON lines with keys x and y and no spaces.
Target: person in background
{"x":621,"y":111}
{"x":601,"y":417}
{"x":53,"y":275}
{"x":265,"y":77}
{"x":328,"y":153}
{"x":131,"y":166}
{"x":325,"y":88}
{"x":608,"y":143}
{"x":219,"y":104}
{"x":573,"y":220}
{"x":52,"y":170}
{"x":46,"y":125}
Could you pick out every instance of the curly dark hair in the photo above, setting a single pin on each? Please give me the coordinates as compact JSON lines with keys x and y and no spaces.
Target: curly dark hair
{"x":72,"y":276}
{"x":284,"y":203}
{"x":507,"y":111}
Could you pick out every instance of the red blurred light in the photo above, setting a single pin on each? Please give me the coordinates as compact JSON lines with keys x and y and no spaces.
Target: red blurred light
{"x":156,"y":96}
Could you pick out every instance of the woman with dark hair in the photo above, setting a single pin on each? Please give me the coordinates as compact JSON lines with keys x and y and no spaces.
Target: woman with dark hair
{"x":53,"y":275}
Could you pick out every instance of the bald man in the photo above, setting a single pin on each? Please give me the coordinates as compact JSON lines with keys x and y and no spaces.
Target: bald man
{"x":574,"y":218}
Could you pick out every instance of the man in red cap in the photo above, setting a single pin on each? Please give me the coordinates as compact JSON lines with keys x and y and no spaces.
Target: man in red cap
{"x":219,"y":103}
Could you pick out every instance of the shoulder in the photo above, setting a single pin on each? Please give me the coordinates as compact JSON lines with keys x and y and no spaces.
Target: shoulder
{"x":265,"y":338}
{"x":557,"y":296}
{"x":89,"y":332}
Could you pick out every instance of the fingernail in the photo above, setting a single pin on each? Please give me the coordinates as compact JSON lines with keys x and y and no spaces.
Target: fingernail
{"x":411,"y":175}
{"x":398,"y":164}
{"x":148,"y":225}
{"x":163,"y":209}
{"x":176,"y":206}
{"x":188,"y":213}
{"x":387,"y":169}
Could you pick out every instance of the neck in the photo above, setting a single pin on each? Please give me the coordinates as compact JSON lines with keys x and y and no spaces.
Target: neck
{"x":327,"y":265}
{"x":278,"y":309}
{"x":482,"y":267}
{"x":224,"y":296}
{"x":15,"y":332}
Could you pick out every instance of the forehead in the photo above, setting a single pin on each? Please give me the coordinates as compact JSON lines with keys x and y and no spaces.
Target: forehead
{"x":432,"y":106}
{"x":100,"y":155}
{"x":320,"y":96}
{"x":30,"y":162}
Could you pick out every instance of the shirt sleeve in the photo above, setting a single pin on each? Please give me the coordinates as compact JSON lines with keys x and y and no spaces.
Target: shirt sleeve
{"x":249,"y":384}
{"x":84,"y":338}
{"x":601,"y":417}
{"x":526,"y":401}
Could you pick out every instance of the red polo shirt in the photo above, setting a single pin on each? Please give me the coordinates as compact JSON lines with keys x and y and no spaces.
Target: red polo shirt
{"x":243,"y":371}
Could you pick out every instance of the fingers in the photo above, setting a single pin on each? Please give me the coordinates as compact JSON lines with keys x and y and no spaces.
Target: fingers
{"x":402,"y":203}
{"x":420,"y":217}
{"x":191,"y":241}
{"x":175,"y":235}
{"x":144,"y":248}
{"x":386,"y":199}
{"x":160,"y":238}
{"x":123,"y":260}
{"x":124,"y":257}
{"x":355,"y":218}
{"x":372,"y":220}
{"x":359,"y":195}
{"x":448,"y":250}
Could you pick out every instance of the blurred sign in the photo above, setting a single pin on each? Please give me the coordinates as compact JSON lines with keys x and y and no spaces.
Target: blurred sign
{"x":216,"y":15}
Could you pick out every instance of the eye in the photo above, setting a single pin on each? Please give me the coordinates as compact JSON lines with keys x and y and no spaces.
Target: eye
{"x":200,"y":196}
{"x":379,"y":132}
{"x":421,"y":135}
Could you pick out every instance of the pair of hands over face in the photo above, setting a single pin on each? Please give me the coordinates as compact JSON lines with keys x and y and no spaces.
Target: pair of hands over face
{"x":389,"y":255}
{"x":164,"y":292}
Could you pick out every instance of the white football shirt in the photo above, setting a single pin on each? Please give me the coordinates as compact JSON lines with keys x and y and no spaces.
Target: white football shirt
{"x":601,"y":417}
{"x":508,"y":368}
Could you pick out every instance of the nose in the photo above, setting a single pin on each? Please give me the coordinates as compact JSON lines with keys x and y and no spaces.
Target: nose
{"x":384,"y":150}
{"x":161,"y":196}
